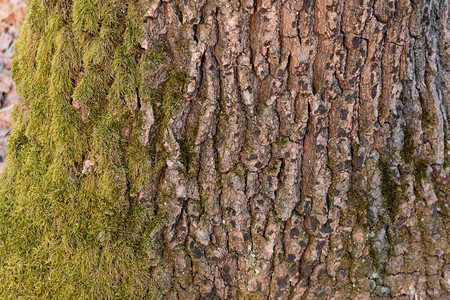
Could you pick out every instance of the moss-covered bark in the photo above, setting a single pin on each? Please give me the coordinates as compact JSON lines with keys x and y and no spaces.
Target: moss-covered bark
{"x":72,"y":226}
{"x":228,"y":149}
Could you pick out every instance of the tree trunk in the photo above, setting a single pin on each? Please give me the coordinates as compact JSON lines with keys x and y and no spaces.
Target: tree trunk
{"x":229,"y":149}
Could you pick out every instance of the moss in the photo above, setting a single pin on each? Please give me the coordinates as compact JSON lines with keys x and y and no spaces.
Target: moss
{"x":67,"y":234}
{"x":360,"y":205}
{"x":282,"y":141}
{"x":181,"y":44}
{"x":409,"y":150}
{"x":330,"y":193}
{"x":239,"y":170}
{"x":390,"y":189}
{"x":420,"y":170}
{"x":185,"y":154}
{"x":173,"y":92}
{"x":86,"y":16}
{"x":273,"y":167}
{"x":428,"y":119}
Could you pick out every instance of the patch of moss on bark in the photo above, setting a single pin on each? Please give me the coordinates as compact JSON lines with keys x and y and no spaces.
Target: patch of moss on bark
{"x":409,"y":149}
{"x":390,"y":189}
{"x":428,"y":119}
{"x":420,"y":170}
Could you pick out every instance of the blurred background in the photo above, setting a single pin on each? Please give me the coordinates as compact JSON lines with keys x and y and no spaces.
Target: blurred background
{"x":12,"y":13}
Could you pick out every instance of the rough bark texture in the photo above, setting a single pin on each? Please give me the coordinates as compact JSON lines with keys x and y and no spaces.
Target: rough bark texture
{"x":285,"y":150}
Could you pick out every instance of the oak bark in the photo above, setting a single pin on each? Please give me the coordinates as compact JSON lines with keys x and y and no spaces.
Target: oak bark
{"x":304,"y":154}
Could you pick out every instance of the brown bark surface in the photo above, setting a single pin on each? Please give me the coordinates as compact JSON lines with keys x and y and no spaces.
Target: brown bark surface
{"x":309,"y":158}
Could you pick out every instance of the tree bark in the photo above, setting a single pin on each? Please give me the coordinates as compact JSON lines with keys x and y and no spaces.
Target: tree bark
{"x":230,"y":149}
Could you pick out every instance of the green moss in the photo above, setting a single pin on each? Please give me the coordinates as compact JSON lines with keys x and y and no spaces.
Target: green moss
{"x":273,"y":167}
{"x":330,"y":193}
{"x":359,"y":208}
{"x":239,"y":170}
{"x":420,"y":170}
{"x":149,"y":62}
{"x":66,"y":233}
{"x":173,"y":92}
{"x":390,"y":189}
{"x":185,"y":154}
{"x":282,"y":141}
{"x":409,"y":149}
{"x":428,"y":119}
{"x":86,"y":16}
